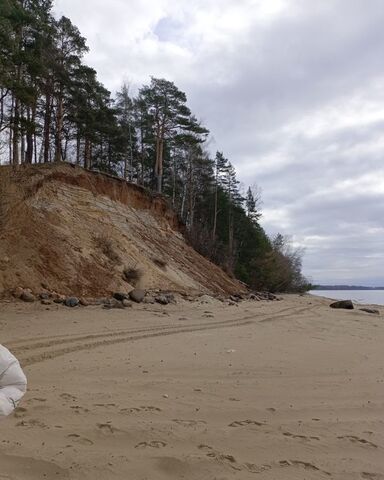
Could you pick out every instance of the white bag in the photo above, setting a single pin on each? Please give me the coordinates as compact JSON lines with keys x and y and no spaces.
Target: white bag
{"x":13,"y":383}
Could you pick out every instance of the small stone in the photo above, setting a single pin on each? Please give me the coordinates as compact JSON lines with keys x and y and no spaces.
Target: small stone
{"x":347,"y":304}
{"x":113,"y":303}
{"x":165,"y":395}
{"x":57,"y":298}
{"x":252,"y":296}
{"x":44,"y":296}
{"x":162,"y":299}
{"x":71,"y":302}
{"x":27,"y":296}
{"x":84,"y":302}
{"x":17,"y":292}
{"x":45,"y":301}
{"x":137,"y":295}
{"x":149,"y":300}
{"x":127,"y":303}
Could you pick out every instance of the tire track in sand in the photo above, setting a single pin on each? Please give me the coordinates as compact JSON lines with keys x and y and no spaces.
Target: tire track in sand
{"x":36,"y":352}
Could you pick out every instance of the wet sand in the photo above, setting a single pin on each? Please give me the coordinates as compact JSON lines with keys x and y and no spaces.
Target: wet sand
{"x":266,"y":390}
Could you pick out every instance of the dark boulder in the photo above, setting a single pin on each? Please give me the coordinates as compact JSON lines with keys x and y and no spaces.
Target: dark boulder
{"x":71,"y":302}
{"x":27,"y":296}
{"x":121,"y":296}
{"x":346,"y":304}
{"x":137,"y":295}
{"x":165,"y":299}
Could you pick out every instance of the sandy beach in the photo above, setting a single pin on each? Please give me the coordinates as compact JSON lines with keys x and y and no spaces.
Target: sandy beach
{"x":270,"y":390}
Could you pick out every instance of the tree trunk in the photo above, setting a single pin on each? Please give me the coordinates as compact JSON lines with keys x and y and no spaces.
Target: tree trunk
{"x":59,"y":128}
{"x":47,"y":126}
{"x":16,"y":133}
{"x":160,"y":167}
{"x":215,"y":214}
{"x":78,"y":145}
{"x":87,"y":154}
{"x":29,"y":136}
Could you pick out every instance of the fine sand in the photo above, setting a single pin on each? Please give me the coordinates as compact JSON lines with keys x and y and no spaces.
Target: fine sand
{"x":264,"y":390}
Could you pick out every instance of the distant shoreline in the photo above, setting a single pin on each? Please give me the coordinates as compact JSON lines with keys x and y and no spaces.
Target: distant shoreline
{"x":345,"y":287}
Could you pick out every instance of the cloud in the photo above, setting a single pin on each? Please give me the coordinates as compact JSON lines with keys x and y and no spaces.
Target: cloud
{"x":293,"y":93}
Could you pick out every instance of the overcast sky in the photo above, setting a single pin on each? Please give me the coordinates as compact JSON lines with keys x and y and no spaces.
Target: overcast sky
{"x":293,"y":94}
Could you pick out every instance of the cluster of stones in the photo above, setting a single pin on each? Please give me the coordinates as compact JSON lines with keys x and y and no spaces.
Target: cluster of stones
{"x":256,"y":296}
{"x":348,"y":305}
{"x":118,"y":300}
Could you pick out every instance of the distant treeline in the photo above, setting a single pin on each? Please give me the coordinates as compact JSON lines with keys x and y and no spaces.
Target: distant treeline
{"x":344,"y":287}
{"x":53,"y":108}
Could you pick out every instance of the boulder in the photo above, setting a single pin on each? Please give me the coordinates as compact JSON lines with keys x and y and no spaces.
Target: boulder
{"x":85,"y":302}
{"x":162,"y":299}
{"x":149,"y":300}
{"x":17,"y":292}
{"x":57,"y":298}
{"x":112,"y":303}
{"x":137,"y":295}
{"x":252,"y":296}
{"x":121,"y":296}
{"x":370,"y":310}
{"x":347,"y":304}
{"x":71,"y":302}
{"x":27,"y":296}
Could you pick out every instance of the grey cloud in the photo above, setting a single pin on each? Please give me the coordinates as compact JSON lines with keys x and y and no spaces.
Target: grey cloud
{"x":262,"y":93}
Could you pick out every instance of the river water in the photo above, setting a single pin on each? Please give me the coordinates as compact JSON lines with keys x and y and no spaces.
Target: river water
{"x":369,"y":297}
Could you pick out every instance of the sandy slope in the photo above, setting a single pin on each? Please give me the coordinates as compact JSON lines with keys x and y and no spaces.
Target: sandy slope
{"x":279,"y":390}
{"x":76,"y":231}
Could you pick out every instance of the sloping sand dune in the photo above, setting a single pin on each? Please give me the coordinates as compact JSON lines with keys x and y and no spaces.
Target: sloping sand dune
{"x":76,"y":231}
{"x":269,"y":390}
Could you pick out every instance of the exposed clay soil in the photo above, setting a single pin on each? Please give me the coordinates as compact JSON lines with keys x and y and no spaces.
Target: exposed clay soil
{"x":76,"y":231}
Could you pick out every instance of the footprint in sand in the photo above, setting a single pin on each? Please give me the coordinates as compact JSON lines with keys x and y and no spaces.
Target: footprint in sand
{"x":372,"y":476}
{"x":243,"y":423}
{"x":31,"y":423}
{"x":79,"y":439}
{"x":231,"y":461}
{"x":354,"y":439}
{"x":302,"y":437}
{"x":78,"y":409}
{"x":199,"y":426}
{"x":20,"y":412}
{"x":222,"y":458}
{"x":189,"y":423}
{"x":143,"y":408}
{"x":253,"y":468}
{"x":152,"y":444}
{"x":302,"y":464}
{"x":68,"y":397}
{"x":104,"y":405}
{"x":106,"y":428}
